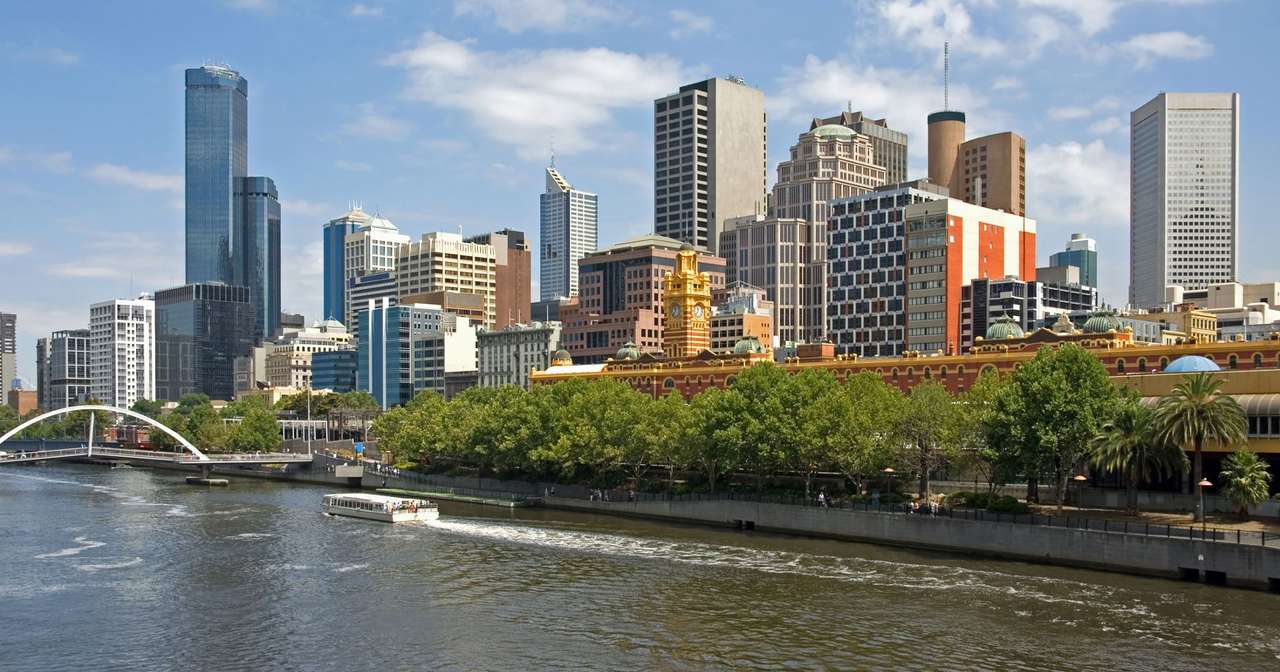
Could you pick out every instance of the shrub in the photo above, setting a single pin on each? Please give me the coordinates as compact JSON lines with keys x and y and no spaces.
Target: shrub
{"x":893,"y":498}
{"x":1008,"y":504}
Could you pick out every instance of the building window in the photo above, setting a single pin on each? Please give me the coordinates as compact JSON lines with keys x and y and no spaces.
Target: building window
{"x":1142,"y":364}
{"x":1233,"y":361}
{"x":943,"y":372}
{"x":668,"y":384}
{"x":986,"y":368}
{"x":1119,"y":366}
{"x":1164,"y":363}
{"x":1257,"y":360}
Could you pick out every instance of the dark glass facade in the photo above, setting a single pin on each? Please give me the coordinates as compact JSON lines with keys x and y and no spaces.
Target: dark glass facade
{"x":200,"y":329}
{"x":257,"y":262}
{"x":335,"y":275}
{"x":334,"y":370}
{"x":217,"y":155}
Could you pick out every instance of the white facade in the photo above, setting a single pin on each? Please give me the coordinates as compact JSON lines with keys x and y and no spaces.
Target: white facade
{"x":506,"y":357}
{"x":1184,"y":195}
{"x":1249,"y":311}
{"x":288,"y":363}
{"x":372,"y":249}
{"x":122,"y":351}
{"x":569,"y":231}
{"x":444,"y":261}
{"x":447,"y":347}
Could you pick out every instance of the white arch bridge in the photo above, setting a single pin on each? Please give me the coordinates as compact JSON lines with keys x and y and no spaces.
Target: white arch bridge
{"x":190,"y":455}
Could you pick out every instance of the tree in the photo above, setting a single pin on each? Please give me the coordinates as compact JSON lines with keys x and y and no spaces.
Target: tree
{"x":823,"y":412}
{"x":149,"y":407}
{"x":1056,"y":405}
{"x":670,"y":434}
{"x":1196,"y":411}
{"x":716,"y":446}
{"x":763,"y":403}
{"x":8,"y":419}
{"x":256,"y":433}
{"x":599,"y":428}
{"x":972,"y":429}
{"x":870,"y":439}
{"x":1246,"y":480}
{"x":1129,"y":445}
{"x":923,"y":424}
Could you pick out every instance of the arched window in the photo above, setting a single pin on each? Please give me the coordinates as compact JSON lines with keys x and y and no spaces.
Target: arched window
{"x":960,"y":370}
{"x":668,"y":384}
{"x":987,"y":368}
{"x":911,"y":372}
{"x":894,"y":372}
{"x":1233,"y":361}
{"x":1164,"y":363}
{"x":944,"y":372}
{"x":928,"y":373}
{"x":1142,"y":364}
{"x":1119,"y":366}
{"x":728,"y":382}
{"x":1257,"y":360}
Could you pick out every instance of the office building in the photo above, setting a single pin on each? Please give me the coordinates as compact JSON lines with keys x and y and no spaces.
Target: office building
{"x":289,"y":360}
{"x":1243,"y":311}
{"x":257,"y":260}
{"x":201,"y":329}
{"x":511,"y":273}
{"x":741,"y":311}
{"x":444,"y":359}
{"x":990,"y":171}
{"x":710,"y":159}
{"x":828,"y":162}
{"x":1027,"y":304}
{"x":506,"y":356}
{"x":1081,"y":252}
{"x":470,"y":306}
{"x":620,"y":301}
{"x":569,"y":230}
{"x":334,"y":235}
{"x":890,"y":146}
{"x":444,"y":261}
{"x":62,"y":371}
{"x":949,"y":244}
{"x":217,"y":157}
{"x":548,"y":310}
{"x":1184,"y":201}
{"x":122,"y":348}
{"x":403,"y":349}
{"x":250,"y":371}
{"x":1185,"y":321}
{"x":365,"y":288}
{"x":334,"y":370}
{"x":8,"y":349}
{"x":866,"y":268}
{"x":23,"y":401}
{"x":371,"y":248}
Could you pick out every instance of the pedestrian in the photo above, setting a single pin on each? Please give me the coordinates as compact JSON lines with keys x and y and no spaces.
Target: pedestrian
{"x":822,"y":499}
{"x":553,"y":492}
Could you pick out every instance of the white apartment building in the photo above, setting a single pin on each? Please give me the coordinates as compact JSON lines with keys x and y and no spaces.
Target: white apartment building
{"x":450,"y":347}
{"x":444,"y":261}
{"x":1247,"y":311}
{"x":569,"y":231}
{"x":122,"y":351}
{"x":506,"y":356}
{"x":288,"y":361}
{"x":1184,"y":226}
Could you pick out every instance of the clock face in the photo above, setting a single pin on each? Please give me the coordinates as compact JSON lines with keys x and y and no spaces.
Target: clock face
{"x":697,"y":311}
{"x":675,"y":310}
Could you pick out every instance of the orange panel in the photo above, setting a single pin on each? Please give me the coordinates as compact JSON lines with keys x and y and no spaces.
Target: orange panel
{"x":991,"y":252}
{"x":1027,"y":254}
{"x":955,"y":278}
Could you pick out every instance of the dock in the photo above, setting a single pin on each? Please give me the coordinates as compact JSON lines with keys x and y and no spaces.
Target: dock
{"x":466,"y":496}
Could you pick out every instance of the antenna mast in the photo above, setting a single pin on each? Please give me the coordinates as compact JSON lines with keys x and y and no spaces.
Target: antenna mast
{"x":946,"y":75}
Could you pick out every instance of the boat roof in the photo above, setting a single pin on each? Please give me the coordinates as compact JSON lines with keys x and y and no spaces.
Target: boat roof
{"x":369,"y":497}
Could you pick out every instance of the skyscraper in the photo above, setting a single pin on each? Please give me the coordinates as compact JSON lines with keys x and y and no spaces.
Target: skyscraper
{"x":1081,"y":252}
{"x":890,"y":146}
{"x":200,"y":330}
{"x":444,"y":261}
{"x":63,"y":369}
{"x":8,"y":350}
{"x":122,"y":349}
{"x":710,"y":160}
{"x":335,"y":278}
{"x":990,"y":171}
{"x":217,"y":154}
{"x":511,"y":275}
{"x":1184,"y":172}
{"x":257,"y":262}
{"x":568,"y":232}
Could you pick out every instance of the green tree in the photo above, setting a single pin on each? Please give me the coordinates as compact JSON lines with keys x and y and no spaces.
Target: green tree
{"x":670,"y":434}
{"x":413,"y":432}
{"x":1129,"y":445}
{"x":8,"y":419}
{"x":149,"y":407}
{"x":823,"y":411}
{"x":599,"y":428}
{"x":1246,"y":480}
{"x":716,"y":447}
{"x":923,"y":424}
{"x":1196,"y":411}
{"x":972,"y":427}
{"x":762,"y":404}
{"x":257,"y":432}
{"x":870,"y":440}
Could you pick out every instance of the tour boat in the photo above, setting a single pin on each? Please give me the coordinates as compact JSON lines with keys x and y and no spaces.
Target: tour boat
{"x":380,"y":507}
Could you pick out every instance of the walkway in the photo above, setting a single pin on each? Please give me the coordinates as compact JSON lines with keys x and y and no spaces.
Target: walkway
{"x":214,"y":459}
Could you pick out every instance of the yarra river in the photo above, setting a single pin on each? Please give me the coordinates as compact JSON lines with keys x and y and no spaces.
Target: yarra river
{"x":131,"y":569}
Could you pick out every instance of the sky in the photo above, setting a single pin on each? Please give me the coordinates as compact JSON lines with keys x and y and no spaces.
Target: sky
{"x":442,"y":115}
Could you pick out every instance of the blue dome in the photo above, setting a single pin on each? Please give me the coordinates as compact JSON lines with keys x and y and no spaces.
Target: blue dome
{"x":1192,"y":364}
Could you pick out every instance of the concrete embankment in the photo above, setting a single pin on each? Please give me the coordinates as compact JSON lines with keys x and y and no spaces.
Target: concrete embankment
{"x":1244,"y":565}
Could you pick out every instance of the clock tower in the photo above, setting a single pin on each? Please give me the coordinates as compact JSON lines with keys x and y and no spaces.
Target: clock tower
{"x":686,"y":303}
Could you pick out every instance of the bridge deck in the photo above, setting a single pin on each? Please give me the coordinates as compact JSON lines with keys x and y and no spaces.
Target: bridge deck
{"x":214,"y":459}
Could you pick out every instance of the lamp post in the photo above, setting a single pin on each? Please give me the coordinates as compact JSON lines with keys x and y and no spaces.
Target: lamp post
{"x":1079,"y":479}
{"x":1204,"y":483}
{"x":888,"y":480}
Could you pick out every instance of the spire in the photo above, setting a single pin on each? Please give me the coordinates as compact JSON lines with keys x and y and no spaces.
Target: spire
{"x":946,"y":76}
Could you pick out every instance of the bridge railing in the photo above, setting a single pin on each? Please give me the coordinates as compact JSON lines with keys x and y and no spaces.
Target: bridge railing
{"x":140,"y":454}
{"x":43,"y":454}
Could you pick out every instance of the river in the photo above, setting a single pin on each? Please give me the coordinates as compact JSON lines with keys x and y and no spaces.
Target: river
{"x":131,"y":569}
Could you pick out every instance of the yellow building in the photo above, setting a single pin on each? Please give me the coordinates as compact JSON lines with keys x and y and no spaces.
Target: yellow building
{"x":686,"y":302}
{"x":1186,"y":321}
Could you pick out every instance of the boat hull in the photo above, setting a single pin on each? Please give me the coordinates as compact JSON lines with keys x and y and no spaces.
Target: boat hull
{"x":421,"y":515}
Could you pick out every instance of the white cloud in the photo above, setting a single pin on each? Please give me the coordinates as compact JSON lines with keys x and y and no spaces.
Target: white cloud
{"x":688,"y":24}
{"x":1149,"y":47}
{"x":1092,"y":15}
{"x":372,"y":123}
{"x":262,"y":6}
{"x":306,"y":209}
{"x":13,"y":249}
{"x":1007,"y":84}
{"x":76,"y":269}
{"x":52,"y":55}
{"x":55,"y":162}
{"x":925,"y":24}
{"x":1076,"y":112}
{"x":531,"y":98}
{"x":136,"y":179}
{"x":1078,"y":184}
{"x":353,"y":166}
{"x":517,"y":16}
{"x":365,"y":11}
{"x":1107,"y":125}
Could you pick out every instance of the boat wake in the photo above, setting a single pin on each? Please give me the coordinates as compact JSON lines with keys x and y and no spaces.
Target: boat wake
{"x":84,"y":544}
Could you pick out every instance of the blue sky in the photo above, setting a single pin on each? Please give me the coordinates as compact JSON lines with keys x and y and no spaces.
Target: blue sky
{"x":441,"y":114}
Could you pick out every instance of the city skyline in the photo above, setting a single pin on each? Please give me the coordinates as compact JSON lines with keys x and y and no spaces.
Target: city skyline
{"x":108,"y":189}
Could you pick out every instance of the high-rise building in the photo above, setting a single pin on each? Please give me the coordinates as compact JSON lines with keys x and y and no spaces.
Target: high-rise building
{"x":440,"y":355}
{"x":741,"y":311}
{"x":866,"y":268}
{"x":8,"y":349}
{"x":335,"y":234}
{"x":1028,"y":304}
{"x":1184,"y":200}
{"x":122,"y":347}
{"x":710,"y":159}
{"x":258,"y":259}
{"x":828,"y":162}
{"x":511,"y":275}
{"x":289,"y":361}
{"x":949,"y":244}
{"x":63,"y":369}
{"x":217,"y":155}
{"x":444,"y":261}
{"x":569,"y":230}
{"x":506,"y":356}
{"x":334,"y":370}
{"x":407,"y":348}
{"x":1081,"y":252}
{"x":890,"y":146}
{"x":990,"y":171}
{"x":361,"y":290}
{"x":201,"y":329}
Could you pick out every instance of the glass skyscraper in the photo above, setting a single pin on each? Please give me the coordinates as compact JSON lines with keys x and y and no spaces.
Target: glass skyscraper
{"x":217,"y":154}
{"x":257,"y":261}
{"x":568,"y":233}
{"x":335,"y":277}
{"x":200,"y":329}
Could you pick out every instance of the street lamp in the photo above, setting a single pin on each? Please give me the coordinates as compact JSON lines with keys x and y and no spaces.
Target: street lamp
{"x":1079,"y":479}
{"x":1204,"y":483}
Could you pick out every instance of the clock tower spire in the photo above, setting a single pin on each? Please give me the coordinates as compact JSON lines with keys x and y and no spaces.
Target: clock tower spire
{"x":686,"y":302}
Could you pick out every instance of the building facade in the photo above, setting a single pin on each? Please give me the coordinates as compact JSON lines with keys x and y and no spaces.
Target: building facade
{"x":512,"y":275}
{"x":710,"y":160}
{"x":506,"y":356}
{"x":741,"y":312}
{"x":569,"y":230}
{"x":444,"y":261}
{"x":828,"y":162}
{"x":620,"y":300}
{"x":289,"y":360}
{"x":1027,"y":304}
{"x":990,"y":171}
{"x":366,"y":288}
{"x":334,"y":236}
{"x":63,"y":369}
{"x":217,"y":156}
{"x":866,"y":261}
{"x":1184,"y":201}
{"x":406,"y":348}
{"x":890,"y":146}
{"x":122,"y":350}
{"x":1081,"y":252}
{"x":334,"y":370}
{"x":8,"y":349}
{"x":257,"y":261}
{"x":201,"y":329}
{"x":1248,"y":311}
{"x":686,"y":301}
{"x":444,"y":355}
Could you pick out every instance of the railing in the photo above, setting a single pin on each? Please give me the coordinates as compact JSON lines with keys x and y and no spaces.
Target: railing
{"x":37,"y":455}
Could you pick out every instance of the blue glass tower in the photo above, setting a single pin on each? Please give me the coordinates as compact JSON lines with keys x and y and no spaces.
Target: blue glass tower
{"x":257,"y":259}
{"x":217,"y":154}
{"x":335,"y":271}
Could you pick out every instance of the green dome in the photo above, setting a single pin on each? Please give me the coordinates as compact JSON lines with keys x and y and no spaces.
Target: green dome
{"x":1004,"y":327}
{"x":833,"y":131}
{"x":627,"y":351}
{"x":748,"y":345}
{"x":561,"y":357}
{"x":1102,"y":322}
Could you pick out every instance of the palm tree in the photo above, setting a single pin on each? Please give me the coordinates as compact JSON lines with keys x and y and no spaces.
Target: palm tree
{"x":1246,"y":480}
{"x":1130,"y":446}
{"x":1196,"y":411}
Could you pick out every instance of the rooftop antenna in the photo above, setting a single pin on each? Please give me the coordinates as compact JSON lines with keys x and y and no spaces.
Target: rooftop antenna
{"x":946,"y":75}
{"x":553,"y":153}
